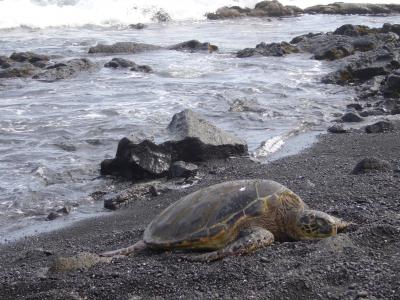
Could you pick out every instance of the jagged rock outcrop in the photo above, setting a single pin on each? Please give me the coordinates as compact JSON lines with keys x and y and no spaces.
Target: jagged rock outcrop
{"x":341,"y":8}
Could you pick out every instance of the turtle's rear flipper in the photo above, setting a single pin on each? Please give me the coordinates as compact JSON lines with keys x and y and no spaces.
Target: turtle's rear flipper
{"x":249,"y":240}
{"x":137,"y":247}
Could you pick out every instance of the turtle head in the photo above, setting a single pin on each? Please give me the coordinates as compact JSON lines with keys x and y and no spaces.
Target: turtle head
{"x":313,"y":224}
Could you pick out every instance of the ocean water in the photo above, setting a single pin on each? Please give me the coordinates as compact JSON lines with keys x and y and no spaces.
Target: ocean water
{"x":53,"y":136}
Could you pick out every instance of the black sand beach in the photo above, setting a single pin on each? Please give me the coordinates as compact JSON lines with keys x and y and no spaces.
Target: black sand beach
{"x":362,"y":263}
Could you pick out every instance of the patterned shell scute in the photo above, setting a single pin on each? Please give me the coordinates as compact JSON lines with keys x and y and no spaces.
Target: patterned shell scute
{"x":195,"y":214}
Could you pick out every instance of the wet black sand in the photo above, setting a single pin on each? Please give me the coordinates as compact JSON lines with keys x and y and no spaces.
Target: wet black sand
{"x":363,"y":263}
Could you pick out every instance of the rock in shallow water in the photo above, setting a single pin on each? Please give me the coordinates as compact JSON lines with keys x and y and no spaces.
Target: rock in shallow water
{"x":66,"y":70}
{"x":191,"y":139}
{"x":337,"y":128}
{"x":125,"y":63}
{"x":123,"y":47}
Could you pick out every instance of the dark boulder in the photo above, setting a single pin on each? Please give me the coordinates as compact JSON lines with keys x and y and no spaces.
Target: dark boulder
{"x":182,"y":169}
{"x":144,"y":160}
{"x":380,"y":127}
{"x":372,"y":164}
{"x":228,"y":13}
{"x":125,"y":63}
{"x":65,"y":70}
{"x":194,"y":46}
{"x":195,"y":139}
{"x":387,"y":27}
{"x":123,"y":47}
{"x":351,"y":117}
{"x":353,"y":30}
{"x":273,"y":49}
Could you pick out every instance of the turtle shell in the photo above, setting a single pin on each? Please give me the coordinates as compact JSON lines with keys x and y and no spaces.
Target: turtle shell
{"x":205,"y":219}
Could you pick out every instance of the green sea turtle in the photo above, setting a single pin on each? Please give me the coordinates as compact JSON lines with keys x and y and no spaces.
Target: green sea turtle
{"x":234,"y":218}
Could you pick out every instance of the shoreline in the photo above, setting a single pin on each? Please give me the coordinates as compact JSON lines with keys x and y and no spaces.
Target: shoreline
{"x":320,"y":175}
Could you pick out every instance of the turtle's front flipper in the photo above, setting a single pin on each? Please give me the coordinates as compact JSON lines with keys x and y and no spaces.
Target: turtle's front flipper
{"x":249,"y":240}
{"x":137,"y":247}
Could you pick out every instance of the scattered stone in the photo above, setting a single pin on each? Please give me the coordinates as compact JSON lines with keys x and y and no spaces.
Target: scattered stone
{"x":337,"y":128}
{"x":273,"y":49}
{"x":138,"y":26}
{"x":58,"y":213}
{"x":380,"y":127}
{"x":154,"y":191}
{"x":80,"y":261}
{"x":38,"y":60}
{"x":372,"y":164}
{"x":373,"y":112}
{"x":351,"y":117}
{"x":194,"y":46}
{"x":123,"y":47}
{"x":245,"y":105}
{"x":182,"y":169}
{"x":53,"y":215}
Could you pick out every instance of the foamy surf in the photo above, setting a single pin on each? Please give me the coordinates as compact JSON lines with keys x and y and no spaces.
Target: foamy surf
{"x":46,"y":13}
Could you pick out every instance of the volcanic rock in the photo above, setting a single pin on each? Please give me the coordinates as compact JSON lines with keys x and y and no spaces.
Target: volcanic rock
{"x":194,"y":46}
{"x":195,"y":139}
{"x":144,"y":160}
{"x":273,"y":49}
{"x":392,"y":85}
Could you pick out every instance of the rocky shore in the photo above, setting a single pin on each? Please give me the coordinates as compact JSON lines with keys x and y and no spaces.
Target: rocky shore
{"x":351,"y":172}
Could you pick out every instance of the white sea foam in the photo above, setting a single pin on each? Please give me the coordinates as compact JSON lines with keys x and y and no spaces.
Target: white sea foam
{"x":44,"y":13}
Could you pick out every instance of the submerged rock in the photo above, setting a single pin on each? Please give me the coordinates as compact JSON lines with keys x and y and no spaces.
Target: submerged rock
{"x":138,"y":26}
{"x":194,"y":46}
{"x":372,"y":164}
{"x":123,"y":47}
{"x":23,"y":70}
{"x":66,"y":69}
{"x":245,"y":105}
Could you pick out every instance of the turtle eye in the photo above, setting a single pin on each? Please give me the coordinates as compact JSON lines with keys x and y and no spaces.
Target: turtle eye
{"x":320,"y":222}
